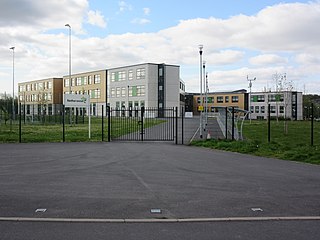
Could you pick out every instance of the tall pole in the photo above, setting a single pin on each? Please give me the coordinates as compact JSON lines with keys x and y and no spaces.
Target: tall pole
{"x":201,"y":100}
{"x":207,"y":91}
{"x":250,"y":86}
{"x":68,"y":25}
{"x":13,"y":110}
{"x":204,"y":93}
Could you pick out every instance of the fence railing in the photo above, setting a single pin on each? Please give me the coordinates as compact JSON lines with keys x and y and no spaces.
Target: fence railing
{"x":143,"y":124}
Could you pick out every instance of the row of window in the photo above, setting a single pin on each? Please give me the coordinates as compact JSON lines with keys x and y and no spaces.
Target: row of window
{"x":271,"y":98}
{"x":131,"y":91}
{"x":122,"y":75}
{"x":262,"y":109}
{"x":132,"y":104}
{"x":182,"y":86}
{"x":43,"y":97}
{"x":84,"y":80}
{"x":93,"y":93}
{"x":219,"y":99}
{"x":39,"y":86}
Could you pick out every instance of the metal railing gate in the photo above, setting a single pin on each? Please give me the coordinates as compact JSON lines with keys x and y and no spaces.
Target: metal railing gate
{"x":143,"y":124}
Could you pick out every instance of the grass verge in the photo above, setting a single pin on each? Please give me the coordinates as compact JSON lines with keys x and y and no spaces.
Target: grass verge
{"x":294,"y":145}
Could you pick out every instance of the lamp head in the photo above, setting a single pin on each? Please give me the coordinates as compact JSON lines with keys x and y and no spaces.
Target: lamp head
{"x":12,"y":48}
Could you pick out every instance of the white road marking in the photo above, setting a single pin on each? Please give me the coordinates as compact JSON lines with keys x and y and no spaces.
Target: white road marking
{"x":173,"y":220}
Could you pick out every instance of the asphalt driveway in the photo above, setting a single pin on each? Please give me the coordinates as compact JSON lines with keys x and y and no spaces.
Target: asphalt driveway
{"x":126,"y":180}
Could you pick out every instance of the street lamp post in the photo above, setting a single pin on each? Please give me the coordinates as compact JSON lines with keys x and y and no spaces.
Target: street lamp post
{"x":70,"y":82}
{"x":206,"y":104}
{"x":204,"y":94}
{"x":13,"y":110}
{"x":201,"y":100}
{"x":250,"y":86}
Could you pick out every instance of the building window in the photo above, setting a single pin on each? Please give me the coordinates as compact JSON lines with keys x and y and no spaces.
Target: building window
{"x":281,"y":109}
{"x":123,"y":92}
{"x":122,"y":75}
{"x":235,"y":99}
{"x":21,"y":88}
{"x":97,"y":93}
{"x":260,"y":98}
{"x":130,"y":75}
{"x":113,"y":92}
{"x":226,"y":99}
{"x":96,"y":78}
{"x":141,"y":73}
{"x":141,"y":90}
{"x":219,"y":99}
{"x":251,"y":109}
{"x":160,"y":72}
{"x":118,"y":89}
{"x":117,"y":105}
{"x":256,"y":109}
{"x":262,"y":109}
{"x":79,"y":81}
{"x":273,"y":109}
{"x":113,"y":77}
{"x":276,"y":98}
{"x":89,"y":79}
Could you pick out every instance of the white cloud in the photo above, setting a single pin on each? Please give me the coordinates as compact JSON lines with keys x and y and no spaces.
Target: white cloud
{"x":146,"y":11}
{"x":307,"y":59}
{"x":95,"y":18}
{"x":271,"y":33}
{"x":43,"y":15}
{"x":124,"y":6}
{"x":140,"y":21}
{"x":268,"y":59}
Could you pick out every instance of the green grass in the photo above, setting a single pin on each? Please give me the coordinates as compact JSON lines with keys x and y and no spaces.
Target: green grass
{"x":49,"y":132}
{"x":295,"y":145}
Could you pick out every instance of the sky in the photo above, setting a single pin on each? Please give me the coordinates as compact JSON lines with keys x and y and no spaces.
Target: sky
{"x":242,"y":39}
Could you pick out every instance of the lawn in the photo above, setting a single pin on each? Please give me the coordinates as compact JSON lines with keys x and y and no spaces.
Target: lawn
{"x":51,"y":132}
{"x":293,"y":145}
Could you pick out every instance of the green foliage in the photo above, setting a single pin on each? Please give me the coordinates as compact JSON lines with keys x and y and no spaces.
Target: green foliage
{"x":296,"y":145}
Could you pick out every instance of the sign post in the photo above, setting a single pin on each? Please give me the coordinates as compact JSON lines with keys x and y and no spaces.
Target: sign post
{"x":78,"y":101}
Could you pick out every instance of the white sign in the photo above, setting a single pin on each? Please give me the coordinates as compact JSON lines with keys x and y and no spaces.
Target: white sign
{"x":76,"y":100}
{"x":188,"y":115}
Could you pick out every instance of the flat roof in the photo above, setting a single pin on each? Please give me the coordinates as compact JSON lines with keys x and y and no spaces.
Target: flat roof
{"x":126,"y":66}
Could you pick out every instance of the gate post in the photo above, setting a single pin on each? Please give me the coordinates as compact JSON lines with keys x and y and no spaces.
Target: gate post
{"x":232,"y":123}
{"x":63,"y":126}
{"x":226,"y":120}
{"x":182,"y":125}
{"x":176,"y":125}
{"x":312,"y":128}
{"x":269,"y":120}
{"x":142,"y":114}
{"x":109,"y":125}
{"x":102,"y":129}
{"x":19,"y":122}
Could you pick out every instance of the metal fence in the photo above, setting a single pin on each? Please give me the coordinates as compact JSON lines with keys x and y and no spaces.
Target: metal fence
{"x":144,"y":124}
{"x":230,"y":121}
{"x":140,"y":124}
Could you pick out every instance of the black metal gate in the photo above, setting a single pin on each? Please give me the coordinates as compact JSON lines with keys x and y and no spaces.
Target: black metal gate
{"x":143,"y":124}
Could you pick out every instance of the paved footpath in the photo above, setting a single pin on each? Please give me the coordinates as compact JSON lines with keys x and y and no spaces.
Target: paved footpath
{"x":124,"y":181}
